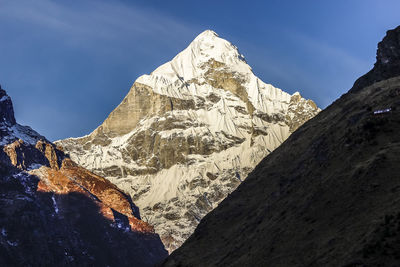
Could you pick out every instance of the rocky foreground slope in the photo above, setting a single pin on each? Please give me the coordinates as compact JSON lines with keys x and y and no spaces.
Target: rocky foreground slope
{"x":328,"y":196}
{"x":56,"y":213}
{"x":188,"y":134}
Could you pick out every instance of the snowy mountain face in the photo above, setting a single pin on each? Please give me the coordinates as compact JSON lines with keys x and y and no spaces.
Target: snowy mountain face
{"x":187,"y":135}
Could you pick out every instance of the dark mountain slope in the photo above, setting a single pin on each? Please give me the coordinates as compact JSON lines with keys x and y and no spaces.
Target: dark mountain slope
{"x":328,"y":196}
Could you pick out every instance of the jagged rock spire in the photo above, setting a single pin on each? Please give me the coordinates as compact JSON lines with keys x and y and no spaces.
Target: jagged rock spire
{"x":387,"y":61}
{"x":6,"y":109}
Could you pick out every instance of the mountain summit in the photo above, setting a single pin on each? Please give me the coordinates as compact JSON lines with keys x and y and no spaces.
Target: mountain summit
{"x":186,"y":135}
{"x":205,"y":47}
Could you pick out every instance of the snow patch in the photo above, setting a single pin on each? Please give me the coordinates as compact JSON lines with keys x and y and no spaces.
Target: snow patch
{"x":4,"y":98}
{"x":55,"y":204}
{"x":380,"y":111}
{"x":17,"y":131}
{"x":34,"y":166}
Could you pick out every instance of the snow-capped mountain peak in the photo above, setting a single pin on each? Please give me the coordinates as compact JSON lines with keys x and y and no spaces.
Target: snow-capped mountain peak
{"x":192,"y":62}
{"x":207,"y":34}
{"x":188,"y":133}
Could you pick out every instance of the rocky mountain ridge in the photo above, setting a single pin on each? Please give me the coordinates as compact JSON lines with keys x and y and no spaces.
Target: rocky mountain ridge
{"x":54,"y":212}
{"x":186,"y":135}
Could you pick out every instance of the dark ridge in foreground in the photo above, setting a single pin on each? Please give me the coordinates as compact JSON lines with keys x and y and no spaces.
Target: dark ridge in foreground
{"x":328,"y":196}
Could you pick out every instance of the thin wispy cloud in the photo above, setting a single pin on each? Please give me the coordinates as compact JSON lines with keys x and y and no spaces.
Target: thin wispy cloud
{"x":288,"y":66}
{"x":325,"y":51}
{"x":94,"y":20}
{"x":339,"y":67}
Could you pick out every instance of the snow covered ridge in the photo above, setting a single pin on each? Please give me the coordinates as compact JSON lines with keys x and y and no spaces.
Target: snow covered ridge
{"x":10,"y":130}
{"x":187,"y":134}
{"x":171,"y":78}
{"x":17,"y":131}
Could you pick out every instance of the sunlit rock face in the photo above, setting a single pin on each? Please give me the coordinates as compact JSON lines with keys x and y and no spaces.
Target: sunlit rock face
{"x":54,"y":212}
{"x":186,"y":135}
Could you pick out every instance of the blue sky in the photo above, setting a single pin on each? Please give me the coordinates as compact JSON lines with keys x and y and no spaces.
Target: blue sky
{"x":68,"y":64}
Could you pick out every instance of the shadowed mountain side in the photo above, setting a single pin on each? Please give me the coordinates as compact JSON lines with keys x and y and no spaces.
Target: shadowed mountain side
{"x":46,"y":229}
{"x":328,"y":196}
